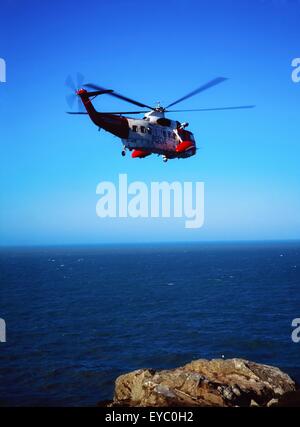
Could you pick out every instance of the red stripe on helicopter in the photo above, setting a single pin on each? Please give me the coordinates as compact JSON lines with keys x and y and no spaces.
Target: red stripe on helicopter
{"x":184,"y":146}
{"x":140,"y":153}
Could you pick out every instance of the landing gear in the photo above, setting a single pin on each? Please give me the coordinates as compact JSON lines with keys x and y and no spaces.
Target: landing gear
{"x":165,"y":159}
{"x":123,"y":152}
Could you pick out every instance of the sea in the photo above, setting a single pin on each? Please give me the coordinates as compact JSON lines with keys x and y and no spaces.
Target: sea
{"x":78,"y":317}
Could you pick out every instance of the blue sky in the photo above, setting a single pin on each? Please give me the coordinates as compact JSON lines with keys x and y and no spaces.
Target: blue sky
{"x":51,"y":163}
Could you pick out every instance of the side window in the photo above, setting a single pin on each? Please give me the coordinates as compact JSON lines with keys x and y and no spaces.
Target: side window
{"x":143,"y":130}
{"x":134,"y":128}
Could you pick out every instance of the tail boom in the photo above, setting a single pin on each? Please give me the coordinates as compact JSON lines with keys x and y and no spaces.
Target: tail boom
{"x":116,"y":125}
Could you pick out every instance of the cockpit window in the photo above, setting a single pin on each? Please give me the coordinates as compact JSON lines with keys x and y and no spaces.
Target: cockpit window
{"x":185,"y":135}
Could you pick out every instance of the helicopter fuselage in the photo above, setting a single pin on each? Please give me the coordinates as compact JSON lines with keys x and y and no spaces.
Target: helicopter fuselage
{"x":153,"y":134}
{"x":159,"y":135}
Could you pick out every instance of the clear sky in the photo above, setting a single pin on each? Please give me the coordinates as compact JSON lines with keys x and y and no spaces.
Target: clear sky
{"x":153,"y":50}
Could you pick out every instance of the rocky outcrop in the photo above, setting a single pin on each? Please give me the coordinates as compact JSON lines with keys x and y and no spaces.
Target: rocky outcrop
{"x":224,"y":383}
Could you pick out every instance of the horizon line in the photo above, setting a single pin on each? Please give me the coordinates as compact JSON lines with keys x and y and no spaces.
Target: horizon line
{"x":166,"y":242}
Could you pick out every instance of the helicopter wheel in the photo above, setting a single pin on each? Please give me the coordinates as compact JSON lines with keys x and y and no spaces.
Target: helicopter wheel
{"x":165,"y":159}
{"x":123,"y":153}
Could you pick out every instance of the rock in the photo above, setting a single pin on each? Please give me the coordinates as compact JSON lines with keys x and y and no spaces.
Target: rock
{"x":219,"y":382}
{"x":272,"y":402}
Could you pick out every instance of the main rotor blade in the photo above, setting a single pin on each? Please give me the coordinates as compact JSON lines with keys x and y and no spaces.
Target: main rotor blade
{"x":241,"y":107}
{"x":122,"y":112}
{"x":202,"y":88}
{"x":118,"y":95}
{"x":110,"y":112}
{"x":98,"y":92}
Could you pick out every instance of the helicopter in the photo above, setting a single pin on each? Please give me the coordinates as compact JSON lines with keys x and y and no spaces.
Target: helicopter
{"x":154,"y":133}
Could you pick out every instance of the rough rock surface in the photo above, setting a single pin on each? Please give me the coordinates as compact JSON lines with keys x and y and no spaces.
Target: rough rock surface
{"x":225,"y":383}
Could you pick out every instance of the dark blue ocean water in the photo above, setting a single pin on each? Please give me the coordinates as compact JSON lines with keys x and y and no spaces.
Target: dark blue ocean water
{"x":78,"y":317}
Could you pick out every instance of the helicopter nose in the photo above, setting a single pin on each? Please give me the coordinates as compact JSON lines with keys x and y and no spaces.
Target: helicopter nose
{"x":184,"y":146}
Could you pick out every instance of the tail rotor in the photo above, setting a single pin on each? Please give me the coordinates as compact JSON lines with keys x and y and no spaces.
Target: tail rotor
{"x":72,"y":96}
